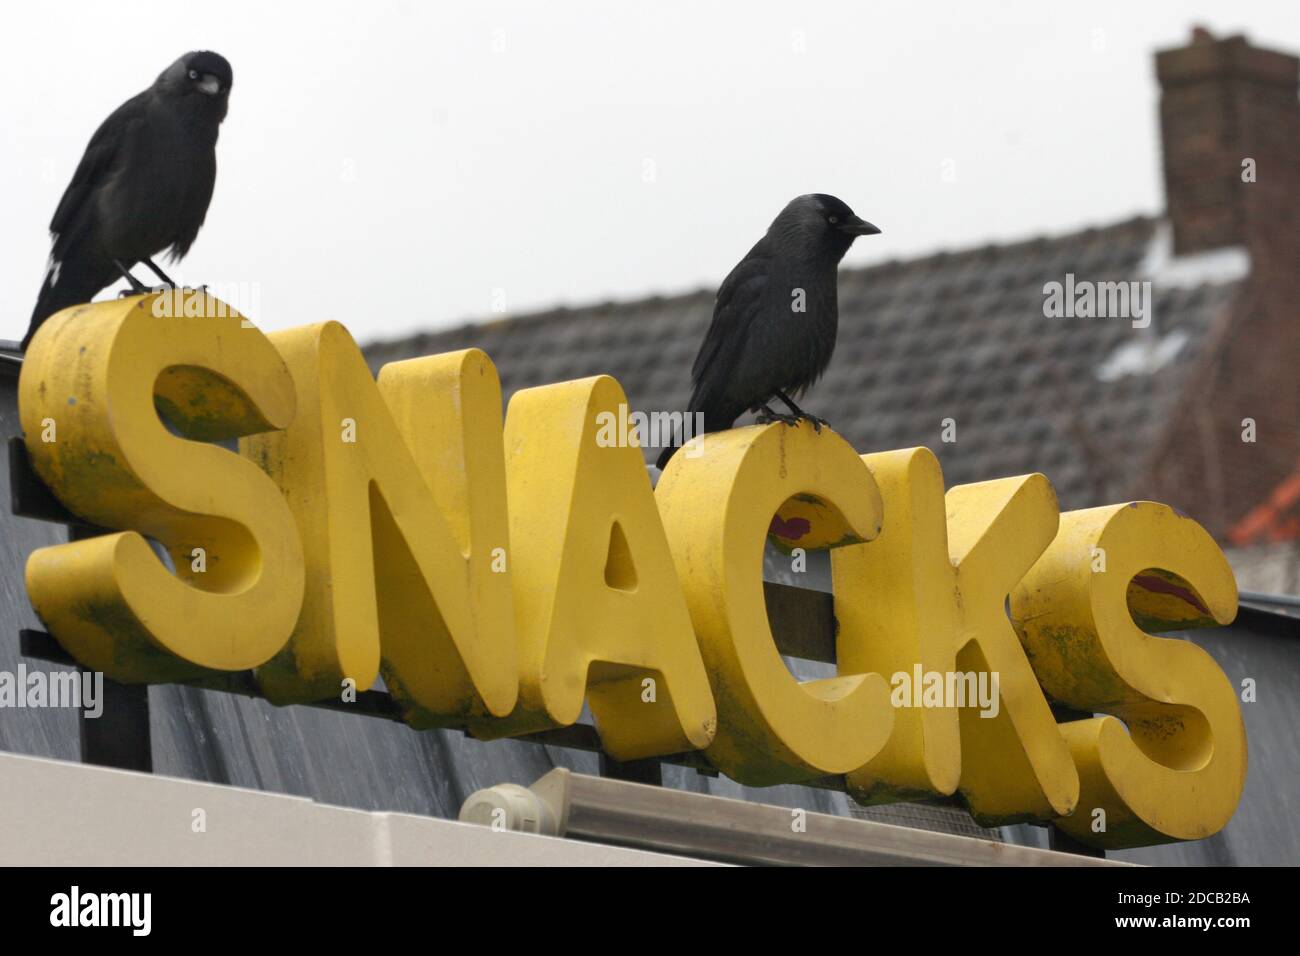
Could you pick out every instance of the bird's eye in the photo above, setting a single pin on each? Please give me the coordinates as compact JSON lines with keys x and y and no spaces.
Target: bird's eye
{"x":833,"y":220}
{"x":194,"y":74}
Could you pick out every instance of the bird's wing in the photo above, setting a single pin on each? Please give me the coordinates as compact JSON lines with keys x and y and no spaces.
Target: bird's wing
{"x":98,"y":159}
{"x":739,"y":297}
{"x":203,"y":180}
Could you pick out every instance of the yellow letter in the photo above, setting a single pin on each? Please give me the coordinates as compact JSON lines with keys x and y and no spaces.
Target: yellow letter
{"x":599,"y":605}
{"x":99,"y":371}
{"x":389,"y":573}
{"x":1174,"y":769}
{"x":1015,"y":765}
{"x":927,"y":600}
{"x":717,"y":509}
{"x":895,"y":601}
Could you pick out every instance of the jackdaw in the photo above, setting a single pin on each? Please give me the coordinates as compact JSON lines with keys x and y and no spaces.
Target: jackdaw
{"x":775,"y":318}
{"x":144,"y":184}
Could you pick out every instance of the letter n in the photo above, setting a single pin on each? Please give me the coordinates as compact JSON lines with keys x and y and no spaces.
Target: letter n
{"x":398,"y":530}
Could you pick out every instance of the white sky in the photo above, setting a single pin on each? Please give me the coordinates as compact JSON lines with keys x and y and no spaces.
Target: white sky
{"x":406,"y":165}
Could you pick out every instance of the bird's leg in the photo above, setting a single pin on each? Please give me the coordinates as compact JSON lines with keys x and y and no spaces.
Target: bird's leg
{"x":766,"y":416}
{"x":137,"y":287}
{"x":817,"y":423}
{"x":159,"y":273}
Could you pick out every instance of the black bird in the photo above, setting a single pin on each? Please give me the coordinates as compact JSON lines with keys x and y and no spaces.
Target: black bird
{"x":143,"y":185}
{"x":775,"y":317}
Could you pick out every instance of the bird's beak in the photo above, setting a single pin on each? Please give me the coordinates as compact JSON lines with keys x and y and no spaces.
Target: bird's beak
{"x":860,"y":227}
{"x":210,"y":84}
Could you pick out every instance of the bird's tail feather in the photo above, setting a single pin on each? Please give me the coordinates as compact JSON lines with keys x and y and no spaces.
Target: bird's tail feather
{"x":73,"y":281}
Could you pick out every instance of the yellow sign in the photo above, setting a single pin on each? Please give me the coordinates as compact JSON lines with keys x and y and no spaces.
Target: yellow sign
{"x":500,"y":574}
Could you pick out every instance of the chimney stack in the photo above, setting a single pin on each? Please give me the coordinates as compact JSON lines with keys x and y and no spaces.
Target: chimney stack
{"x":1224,"y":103}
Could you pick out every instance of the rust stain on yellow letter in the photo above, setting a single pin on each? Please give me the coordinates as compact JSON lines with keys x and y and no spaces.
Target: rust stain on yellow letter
{"x":94,"y":381}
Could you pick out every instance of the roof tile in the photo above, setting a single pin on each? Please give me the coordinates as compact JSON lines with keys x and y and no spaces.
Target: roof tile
{"x":958,"y":335}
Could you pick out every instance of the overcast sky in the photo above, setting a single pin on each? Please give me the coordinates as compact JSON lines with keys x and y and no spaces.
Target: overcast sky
{"x":409,"y":165}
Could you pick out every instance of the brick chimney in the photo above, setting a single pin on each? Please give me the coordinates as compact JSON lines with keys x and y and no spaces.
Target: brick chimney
{"x":1223,"y":101}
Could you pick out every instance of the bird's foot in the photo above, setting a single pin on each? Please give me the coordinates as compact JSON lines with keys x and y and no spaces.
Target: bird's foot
{"x":145,"y":290}
{"x":799,"y":413}
{"x":137,"y":287}
{"x":166,"y":280}
{"x":816,"y":422}
{"x":766,"y":416}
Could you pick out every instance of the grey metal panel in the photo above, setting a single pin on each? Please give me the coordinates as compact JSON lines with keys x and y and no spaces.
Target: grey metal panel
{"x":74,"y":815}
{"x":45,"y":732}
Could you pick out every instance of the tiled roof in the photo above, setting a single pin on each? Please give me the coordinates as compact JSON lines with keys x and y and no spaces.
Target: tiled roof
{"x":955,"y":335}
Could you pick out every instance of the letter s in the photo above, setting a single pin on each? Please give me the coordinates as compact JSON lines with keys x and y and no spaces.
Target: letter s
{"x":105,"y":371}
{"x":1174,"y":764}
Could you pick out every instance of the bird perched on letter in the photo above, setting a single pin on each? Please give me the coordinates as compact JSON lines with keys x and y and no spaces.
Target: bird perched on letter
{"x":143,"y":185}
{"x":775,"y":317}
